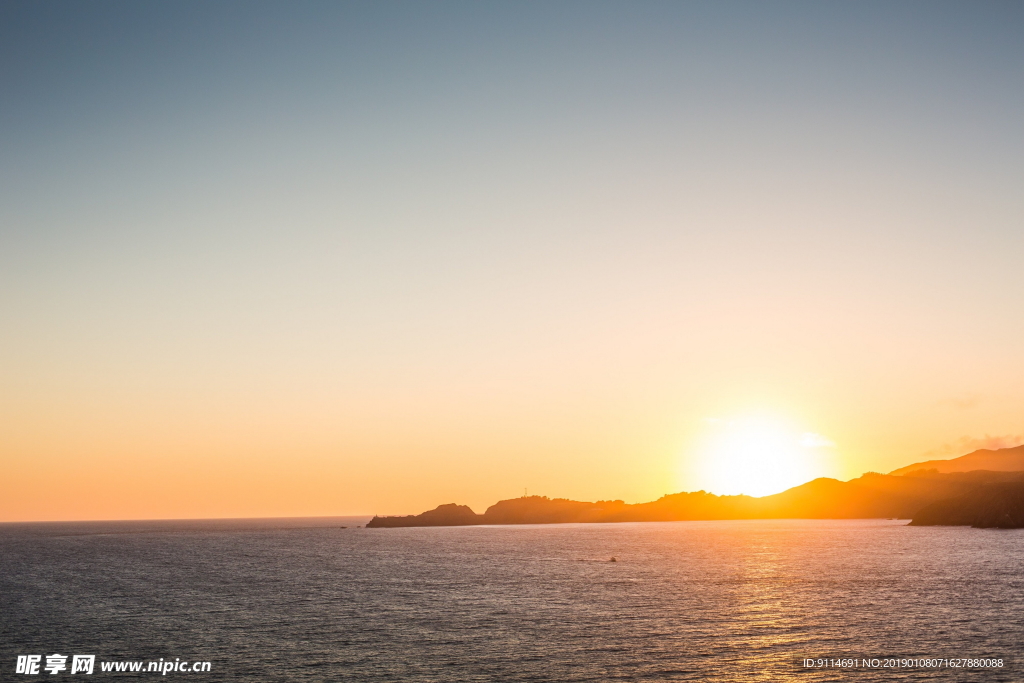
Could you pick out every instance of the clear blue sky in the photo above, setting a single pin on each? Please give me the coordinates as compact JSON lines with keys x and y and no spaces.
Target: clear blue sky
{"x":495,"y":245}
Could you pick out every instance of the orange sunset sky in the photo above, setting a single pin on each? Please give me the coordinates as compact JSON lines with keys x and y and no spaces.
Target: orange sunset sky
{"x":353,"y":259}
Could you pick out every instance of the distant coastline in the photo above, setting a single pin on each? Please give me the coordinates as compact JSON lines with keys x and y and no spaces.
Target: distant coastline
{"x":935,"y":492}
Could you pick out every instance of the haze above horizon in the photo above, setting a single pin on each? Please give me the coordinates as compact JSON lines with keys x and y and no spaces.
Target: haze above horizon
{"x":309,"y":259}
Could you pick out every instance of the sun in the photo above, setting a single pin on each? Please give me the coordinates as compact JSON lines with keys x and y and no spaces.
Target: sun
{"x":755,"y":456}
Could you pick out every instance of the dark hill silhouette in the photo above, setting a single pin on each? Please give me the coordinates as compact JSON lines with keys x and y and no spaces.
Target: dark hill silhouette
{"x":1001,"y":460}
{"x":443,"y":515}
{"x":871,"y":495}
{"x":995,"y":506}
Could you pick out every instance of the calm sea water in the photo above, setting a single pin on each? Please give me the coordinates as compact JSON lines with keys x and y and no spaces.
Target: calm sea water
{"x":304,"y":600}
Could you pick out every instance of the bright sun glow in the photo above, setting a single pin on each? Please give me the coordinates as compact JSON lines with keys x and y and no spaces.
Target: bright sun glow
{"x":757,"y":457}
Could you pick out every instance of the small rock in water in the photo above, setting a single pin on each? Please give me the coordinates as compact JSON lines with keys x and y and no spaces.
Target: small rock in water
{"x":613,"y":560}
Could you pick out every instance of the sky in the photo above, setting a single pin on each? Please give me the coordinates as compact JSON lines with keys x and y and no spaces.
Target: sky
{"x":296,"y":259}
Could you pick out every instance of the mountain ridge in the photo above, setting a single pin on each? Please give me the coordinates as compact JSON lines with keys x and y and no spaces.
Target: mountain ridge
{"x":995,"y":506}
{"x":998,"y":460}
{"x":871,"y":495}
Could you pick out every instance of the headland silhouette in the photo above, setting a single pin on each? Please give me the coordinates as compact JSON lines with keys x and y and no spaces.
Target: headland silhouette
{"x":935,"y":492}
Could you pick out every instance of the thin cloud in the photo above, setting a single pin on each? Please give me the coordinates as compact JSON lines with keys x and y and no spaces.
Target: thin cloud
{"x":969,"y":444}
{"x":812,"y":440}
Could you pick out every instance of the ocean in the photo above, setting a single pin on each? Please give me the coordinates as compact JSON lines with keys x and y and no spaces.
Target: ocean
{"x":307,"y":600}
